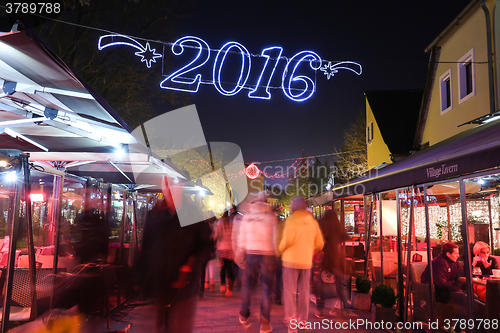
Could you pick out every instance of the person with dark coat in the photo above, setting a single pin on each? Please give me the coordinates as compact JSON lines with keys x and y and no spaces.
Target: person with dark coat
{"x":445,"y":273}
{"x":334,"y":235}
{"x":171,"y":261}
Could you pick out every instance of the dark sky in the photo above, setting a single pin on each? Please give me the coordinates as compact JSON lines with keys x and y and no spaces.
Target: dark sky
{"x":386,"y":37}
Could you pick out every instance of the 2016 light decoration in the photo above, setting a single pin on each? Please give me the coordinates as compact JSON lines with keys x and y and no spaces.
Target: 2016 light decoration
{"x":297,"y":88}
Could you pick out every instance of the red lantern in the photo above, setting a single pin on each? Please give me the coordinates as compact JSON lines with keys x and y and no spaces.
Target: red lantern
{"x":252,"y":171}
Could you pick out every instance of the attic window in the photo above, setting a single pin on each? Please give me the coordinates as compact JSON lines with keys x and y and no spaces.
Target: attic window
{"x":369,"y":133}
{"x":446,"y":92}
{"x":466,"y":77}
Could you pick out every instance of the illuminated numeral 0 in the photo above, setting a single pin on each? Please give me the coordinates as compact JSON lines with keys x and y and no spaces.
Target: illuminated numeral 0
{"x":246,"y":64}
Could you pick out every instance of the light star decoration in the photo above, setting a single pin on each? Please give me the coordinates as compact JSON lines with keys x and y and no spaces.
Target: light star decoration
{"x":329,"y":70}
{"x":148,"y":55}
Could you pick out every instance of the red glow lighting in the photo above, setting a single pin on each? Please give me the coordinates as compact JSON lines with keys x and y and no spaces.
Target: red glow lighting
{"x":36,"y":197}
{"x":252,"y":171}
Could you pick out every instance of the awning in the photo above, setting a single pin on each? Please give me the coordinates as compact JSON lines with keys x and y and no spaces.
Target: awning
{"x":48,"y":111}
{"x":471,"y":151}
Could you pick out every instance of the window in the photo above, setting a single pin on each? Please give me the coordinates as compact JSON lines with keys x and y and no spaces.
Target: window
{"x":466,"y":77}
{"x":446,"y":92}
{"x":369,"y":133}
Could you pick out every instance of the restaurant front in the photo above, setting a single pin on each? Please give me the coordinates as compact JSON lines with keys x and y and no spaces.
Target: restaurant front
{"x":71,"y":205}
{"x":446,"y":193}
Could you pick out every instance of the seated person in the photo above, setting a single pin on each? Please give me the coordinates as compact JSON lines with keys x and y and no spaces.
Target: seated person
{"x":445,"y":274}
{"x":483,"y":260}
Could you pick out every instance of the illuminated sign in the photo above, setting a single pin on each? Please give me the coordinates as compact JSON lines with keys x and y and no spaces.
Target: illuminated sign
{"x":296,"y":83}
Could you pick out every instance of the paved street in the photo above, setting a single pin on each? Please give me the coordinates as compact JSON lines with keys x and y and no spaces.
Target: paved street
{"x":217,"y":313}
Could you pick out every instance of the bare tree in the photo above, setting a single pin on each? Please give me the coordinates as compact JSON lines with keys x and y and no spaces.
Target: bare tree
{"x":353,"y":155}
{"x":116,"y":73}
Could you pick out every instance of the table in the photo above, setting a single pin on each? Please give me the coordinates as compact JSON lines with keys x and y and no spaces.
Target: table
{"x":478,"y":281}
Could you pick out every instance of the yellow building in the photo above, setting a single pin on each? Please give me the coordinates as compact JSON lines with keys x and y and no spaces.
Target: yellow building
{"x":459,"y":89}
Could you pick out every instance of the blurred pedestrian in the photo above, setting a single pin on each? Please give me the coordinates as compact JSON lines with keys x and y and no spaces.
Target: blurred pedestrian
{"x":223,"y":235}
{"x":208,"y":274}
{"x":85,"y":284}
{"x":278,"y":283}
{"x":301,"y":239}
{"x":334,"y":235}
{"x":256,"y":253}
{"x":172,"y":258}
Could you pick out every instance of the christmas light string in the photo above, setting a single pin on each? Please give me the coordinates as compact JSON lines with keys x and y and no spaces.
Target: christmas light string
{"x":313,"y":156}
{"x":438,"y":218}
{"x":178,"y":82}
{"x":291,"y":170}
{"x":154,"y":40}
{"x":212,"y":49}
{"x":297,"y":168}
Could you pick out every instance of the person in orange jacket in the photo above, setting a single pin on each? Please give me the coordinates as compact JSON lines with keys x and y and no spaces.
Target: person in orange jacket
{"x":302,"y":238}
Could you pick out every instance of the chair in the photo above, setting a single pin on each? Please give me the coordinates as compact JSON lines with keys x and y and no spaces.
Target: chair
{"x":417,"y":257}
{"x":5,"y":259}
{"x":23,"y":261}
{"x":419,"y":292}
{"x":47,"y":261}
{"x":47,"y":250}
{"x":421,"y":299}
{"x":21,"y":300}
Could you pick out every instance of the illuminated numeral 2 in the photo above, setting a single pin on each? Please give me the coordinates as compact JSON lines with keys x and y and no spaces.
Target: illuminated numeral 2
{"x":175,"y":81}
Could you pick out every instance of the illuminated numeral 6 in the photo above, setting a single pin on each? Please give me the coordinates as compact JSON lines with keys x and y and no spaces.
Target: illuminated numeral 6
{"x":289,"y":76}
{"x":244,"y":72}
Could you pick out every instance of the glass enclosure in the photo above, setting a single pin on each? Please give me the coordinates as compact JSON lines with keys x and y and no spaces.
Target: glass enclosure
{"x":71,"y":221}
{"x":407,"y":229}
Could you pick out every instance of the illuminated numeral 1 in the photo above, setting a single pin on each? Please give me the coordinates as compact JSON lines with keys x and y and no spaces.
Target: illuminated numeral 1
{"x":273,"y":54}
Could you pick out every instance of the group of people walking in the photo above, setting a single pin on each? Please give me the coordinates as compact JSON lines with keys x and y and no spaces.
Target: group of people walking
{"x":279,"y":255}
{"x":252,"y":246}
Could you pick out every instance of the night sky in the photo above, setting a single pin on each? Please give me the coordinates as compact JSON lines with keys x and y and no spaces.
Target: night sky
{"x":387,"y":38}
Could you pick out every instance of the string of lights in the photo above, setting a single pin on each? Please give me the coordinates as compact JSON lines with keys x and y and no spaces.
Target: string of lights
{"x":297,"y":168}
{"x":438,"y":218}
{"x":213,"y":49}
{"x":289,"y":172}
{"x":313,"y":156}
{"x":147,"y":39}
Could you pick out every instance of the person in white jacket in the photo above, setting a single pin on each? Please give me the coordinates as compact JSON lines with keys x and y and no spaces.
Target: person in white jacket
{"x":257,"y":252}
